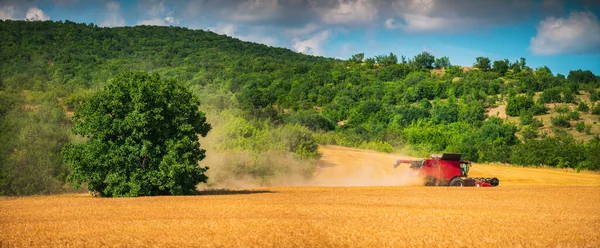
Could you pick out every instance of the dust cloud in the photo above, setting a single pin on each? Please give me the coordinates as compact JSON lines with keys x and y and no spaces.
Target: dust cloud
{"x":337,"y":167}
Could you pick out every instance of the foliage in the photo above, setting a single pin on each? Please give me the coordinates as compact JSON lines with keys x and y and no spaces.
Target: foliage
{"x":574,"y":115}
{"x":516,"y":104}
{"x":482,"y":63}
{"x":30,"y":144}
{"x":142,"y":133}
{"x":425,"y":60}
{"x":583,"y":107}
{"x":443,"y":62}
{"x":580,"y":126}
{"x":596,"y":109}
{"x":311,"y":119}
{"x":562,"y":109}
{"x":501,"y":66}
{"x":552,"y":95}
{"x":560,"y":121}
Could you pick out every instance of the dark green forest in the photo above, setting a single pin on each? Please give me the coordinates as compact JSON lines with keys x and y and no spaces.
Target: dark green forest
{"x":266,"y":100}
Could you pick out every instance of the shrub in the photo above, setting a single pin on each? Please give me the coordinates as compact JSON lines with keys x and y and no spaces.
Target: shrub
{"x":551,"y":95}
{"x":583,"y":107}
{"x":563,"y":109}
{"x":311,"y":119}
{"x":560,"y":121}
{"x":580,"y":126}
{"x":574,"y":115}
{"x":539,"y":109}
{"x":516,"y":104}
{"x":529,"y":132}
{"x":596,"y":109}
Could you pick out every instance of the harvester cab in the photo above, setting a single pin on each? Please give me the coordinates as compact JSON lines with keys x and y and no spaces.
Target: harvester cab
{"x":447,"y":170}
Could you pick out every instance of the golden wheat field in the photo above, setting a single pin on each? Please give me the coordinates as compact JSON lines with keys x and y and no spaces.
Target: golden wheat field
{"x":530,"y":208}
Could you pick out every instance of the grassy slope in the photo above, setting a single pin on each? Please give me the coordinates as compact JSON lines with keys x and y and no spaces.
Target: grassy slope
{"x":587,"y":118}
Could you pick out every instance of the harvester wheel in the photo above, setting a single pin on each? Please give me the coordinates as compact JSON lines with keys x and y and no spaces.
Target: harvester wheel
{"x":457,"y":182}
{"x":494,"y":182}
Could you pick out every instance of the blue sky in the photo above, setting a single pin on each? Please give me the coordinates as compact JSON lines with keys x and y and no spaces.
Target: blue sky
{"x":563,"y":35}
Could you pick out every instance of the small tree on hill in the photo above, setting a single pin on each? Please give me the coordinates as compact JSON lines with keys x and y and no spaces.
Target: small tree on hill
{"x":424,"y":60}
{"x":482,"y":63}
{"x":142,"y":138}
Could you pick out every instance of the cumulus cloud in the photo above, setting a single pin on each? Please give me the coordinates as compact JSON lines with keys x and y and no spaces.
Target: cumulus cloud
{"x":6,"y":12}
{"x":308,"y":29}
{"x":35,"y":14}
{"x":112,"y":17}
{"x":155,"y":13}
{"x":254,"y":10}
{"x":349,"y":12}
{"x":312,"y":45}
{"x":579,"y":33}
{"x":456,"y":15}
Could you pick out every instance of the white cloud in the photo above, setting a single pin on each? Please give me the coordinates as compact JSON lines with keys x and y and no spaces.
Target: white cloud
{"x":350,"y":12}
{"x":579,"y":33}
{"x":255,"y":10}
{"x":306,"y":30}
{"x":456,"y":15}
{"x":113,"y":17}
{"x":169,"y":20}
{"x":35,"y":14}
{"x":154,"y":13}
{"x":7,"y":12}
{"x":226,"y":29}
{"x":312,"y":45}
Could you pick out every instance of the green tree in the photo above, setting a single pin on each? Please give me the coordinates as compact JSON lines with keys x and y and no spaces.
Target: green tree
{"x":501,"y":66}
{"x":516,"y":104}
{"x":482,"y":63}
{"x":443,"y":62}
{"x":424,"y":60}
{"x":142,"y":138}
{"x":357,"y":58}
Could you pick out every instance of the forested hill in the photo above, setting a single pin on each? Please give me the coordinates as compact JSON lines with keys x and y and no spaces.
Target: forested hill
{"x":495,"y":111}
{"x":83,"y":54}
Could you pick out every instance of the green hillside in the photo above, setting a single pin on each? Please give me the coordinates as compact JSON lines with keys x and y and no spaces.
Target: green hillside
{"x":263,"y":100}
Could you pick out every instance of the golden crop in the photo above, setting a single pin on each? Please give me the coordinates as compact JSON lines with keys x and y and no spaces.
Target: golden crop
{"x":311,"y":216}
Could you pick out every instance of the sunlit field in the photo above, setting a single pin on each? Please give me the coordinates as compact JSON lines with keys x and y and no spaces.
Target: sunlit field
{"x":530,"y":208}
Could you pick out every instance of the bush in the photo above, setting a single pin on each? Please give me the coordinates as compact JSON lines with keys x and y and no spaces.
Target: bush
{"x":311,"y":119}
{"x":580,"y":126}
{"x":596,"y":109}
{"x":574,"y":115}
{"x":539,"y":109}
{"x":560,"y":121}
{"x":529,"y":132}
{"x":563,"y":109}
{"x":583,"y":107}
{"x":551,"y":95}
{"x":517,"y":104}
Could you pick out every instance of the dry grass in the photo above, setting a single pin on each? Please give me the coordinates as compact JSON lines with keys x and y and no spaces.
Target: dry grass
{"x":515,"y":214}
{"x":313,"y":217}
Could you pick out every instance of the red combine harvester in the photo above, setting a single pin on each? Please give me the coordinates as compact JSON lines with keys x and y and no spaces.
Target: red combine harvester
{"x":447,"y":170}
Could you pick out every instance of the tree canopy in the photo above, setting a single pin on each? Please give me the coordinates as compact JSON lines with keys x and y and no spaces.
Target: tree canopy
{"x":142,"y":138}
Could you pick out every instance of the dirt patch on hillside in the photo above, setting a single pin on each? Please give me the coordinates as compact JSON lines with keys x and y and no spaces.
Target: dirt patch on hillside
{"x":499,"y":111}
